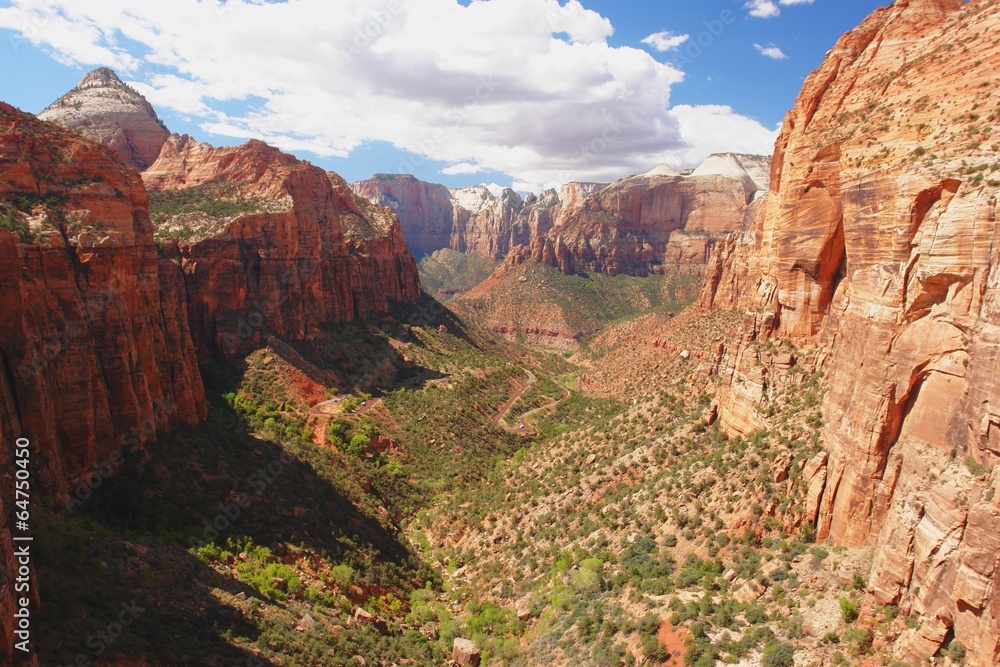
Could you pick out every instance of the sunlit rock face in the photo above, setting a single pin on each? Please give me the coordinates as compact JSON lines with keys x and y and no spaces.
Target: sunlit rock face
{"x":879,"y":241}
{"x":112,"y":113}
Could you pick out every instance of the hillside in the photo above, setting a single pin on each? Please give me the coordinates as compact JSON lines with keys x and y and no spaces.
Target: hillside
{"x":446,"y":274}
{"x":743,"y":415}
{"x":541,"y":306}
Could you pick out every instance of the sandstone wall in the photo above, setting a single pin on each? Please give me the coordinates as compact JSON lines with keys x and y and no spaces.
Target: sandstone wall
{"x":879,"y":241}
{"x":318,"y":254}
{"x":94,"y":341}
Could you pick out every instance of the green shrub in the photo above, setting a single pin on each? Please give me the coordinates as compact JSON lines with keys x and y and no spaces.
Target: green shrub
{"x":849,"y":610}
{"x":778,"y":654}
{"x":956,"y":651}
{"x":974,"y":466}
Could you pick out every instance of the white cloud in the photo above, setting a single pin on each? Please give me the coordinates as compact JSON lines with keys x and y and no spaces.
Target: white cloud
{"x":762,"y":9}
{"x":718,"y":129}
{"x":766,"y":9}
{"x":770,"y":51}
{"x":665,"y":40}
{"x":529,"y":88}
{"x":461,"y":168}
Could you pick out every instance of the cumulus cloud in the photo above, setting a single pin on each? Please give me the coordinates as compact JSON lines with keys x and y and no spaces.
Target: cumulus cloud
{"x":770,"y":51}
{"x":665,"y":40}
{"x":766,"y":9}
{"x":528,"y":88}
{"x":762,"y":9}
{"x":718,"y":129}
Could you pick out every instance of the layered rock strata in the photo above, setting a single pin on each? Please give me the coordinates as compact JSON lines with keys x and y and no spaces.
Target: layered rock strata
{"x":653,"y":223}
{"x":305,"y":252}
{"x":96,"y":353}
{"x":112,"y":113}
{"x":879,"y":241}
{"x":470,"y":220}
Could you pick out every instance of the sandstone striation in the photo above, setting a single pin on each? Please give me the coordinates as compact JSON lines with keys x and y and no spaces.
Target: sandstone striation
{"x":878,"y":240}
{"x":653,"y":222}
{"x":94,"y":336}
{"x":470,"y":220}
{"x":426,"y":211}
{"x":112,"y":113}
{"x":305,"y":251}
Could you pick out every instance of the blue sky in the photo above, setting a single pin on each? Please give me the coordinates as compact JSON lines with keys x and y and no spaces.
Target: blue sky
{"x":530,"y":93}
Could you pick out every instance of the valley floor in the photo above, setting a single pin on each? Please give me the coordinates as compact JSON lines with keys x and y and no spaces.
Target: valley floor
{"x":596,"y":515}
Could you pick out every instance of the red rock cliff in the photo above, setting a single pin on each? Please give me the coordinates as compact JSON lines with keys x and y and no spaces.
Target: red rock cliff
{"x":879,"y":240}
{"x":94,"y":343}
{"x":652,"y":223}
{"x":307,"y":252}
{"x":425,"y":210}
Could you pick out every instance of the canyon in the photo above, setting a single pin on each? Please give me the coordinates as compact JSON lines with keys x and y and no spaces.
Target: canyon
{"x":105,"y":322}
{"x":834,"y":381}
{"x":650,"y":223}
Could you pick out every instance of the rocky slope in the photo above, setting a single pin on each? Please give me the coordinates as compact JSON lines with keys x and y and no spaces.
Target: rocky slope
{"x":97,"y":355}
{"x":108,"y":111}
{"x":655,"y":222}
{"x":879,"y":241}
{"x":296,"y":250}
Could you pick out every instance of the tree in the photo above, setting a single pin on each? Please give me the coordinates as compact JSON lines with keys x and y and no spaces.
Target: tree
{"x":358,"y":444}
{"x":778,"y":654}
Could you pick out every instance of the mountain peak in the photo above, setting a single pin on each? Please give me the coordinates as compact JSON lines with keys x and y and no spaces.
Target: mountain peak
{"x":102,"y":76}
{"x":107,"y":110}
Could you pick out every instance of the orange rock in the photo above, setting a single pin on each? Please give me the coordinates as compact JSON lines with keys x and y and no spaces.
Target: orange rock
{"x":877,"y":242}
{"x":653,"y":222}
{"x":316,"y":253}
{"x":94,"y":334}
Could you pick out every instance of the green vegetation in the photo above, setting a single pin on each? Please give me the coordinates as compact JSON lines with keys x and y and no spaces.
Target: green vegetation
{"x":13,"y":223}
{"x":849,"y":609}
{"x":216,"y":200}
{"x":582,"y":305}
{"x":778,"y":654}
{"x":617,"y":523}
{"x":447,"y":273}
{"x":976,"y":468}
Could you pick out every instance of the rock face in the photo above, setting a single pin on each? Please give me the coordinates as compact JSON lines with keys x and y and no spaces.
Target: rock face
{"x":655,"y":222}
{"x":471,"y":220}
{"x":465,"y":652}
{"x":879,"y":241}
{"x":94,"y":337}
{"x":308,"y":253}
{"x":106,"y":110}
{"x":425,"y":210}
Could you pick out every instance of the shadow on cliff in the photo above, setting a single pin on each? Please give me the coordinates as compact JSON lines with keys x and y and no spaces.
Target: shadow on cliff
{"x":132,"y":543}
{"x":136,"y":540}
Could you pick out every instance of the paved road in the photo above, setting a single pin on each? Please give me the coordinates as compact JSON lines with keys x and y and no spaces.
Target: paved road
{"x":513,"y":399}
{"x":523,"y":428}
{"x":318,"y":409}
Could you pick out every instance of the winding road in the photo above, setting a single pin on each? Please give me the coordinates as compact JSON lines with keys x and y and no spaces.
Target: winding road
{"x":523,"y":428}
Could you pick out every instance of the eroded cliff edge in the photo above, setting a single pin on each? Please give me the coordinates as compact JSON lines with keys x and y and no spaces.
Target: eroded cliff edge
{"x":106,"y":314}
{"x":879,"y":242}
